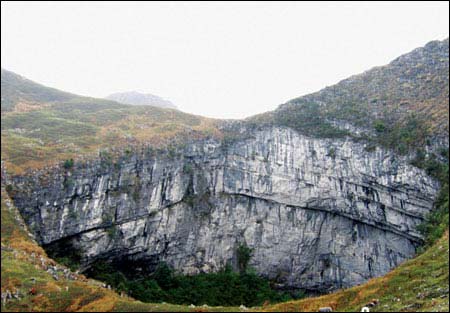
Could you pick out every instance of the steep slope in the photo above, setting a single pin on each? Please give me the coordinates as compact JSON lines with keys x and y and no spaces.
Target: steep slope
{"x":137,"y":98}
{"x":402,"y":105}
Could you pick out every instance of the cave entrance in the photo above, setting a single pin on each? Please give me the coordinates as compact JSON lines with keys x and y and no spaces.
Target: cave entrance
{"x":150,"y":280}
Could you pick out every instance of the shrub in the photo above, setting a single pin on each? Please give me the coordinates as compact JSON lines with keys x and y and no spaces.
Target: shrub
{"x":379,"y":126}
{"x":106,"y":272}
{"x":225,"y":287}
{"x":68,"y":262}
{"x":171,"y":152}
{"x":106,"y":159}
{"x":370,"y":148}
{"x":244,"y":254}
{"x":112,"y":232}
{"x":68,"y":164}
{"x":419,"y":159}
{"x":187,"y":169}
{"x":164,"y":276}
{"x":9,"y":188}
{"x":73,"y":214}
{"x":332,"y":152}
{"x":437,"y":221}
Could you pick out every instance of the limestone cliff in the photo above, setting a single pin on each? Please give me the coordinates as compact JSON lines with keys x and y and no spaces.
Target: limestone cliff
{"x":320,"y":214}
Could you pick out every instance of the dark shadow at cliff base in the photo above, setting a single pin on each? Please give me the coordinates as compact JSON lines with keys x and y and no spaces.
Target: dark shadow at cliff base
{"x":150,"y":280}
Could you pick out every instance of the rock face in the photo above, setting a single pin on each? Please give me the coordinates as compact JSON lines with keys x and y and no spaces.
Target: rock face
{"x":319,"y":214}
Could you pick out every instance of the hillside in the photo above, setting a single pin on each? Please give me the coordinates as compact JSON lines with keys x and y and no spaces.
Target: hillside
{"x":402,"y":105}
{"x":137,"y":98}
{"x":20,"y":94}
{"x":55,"y":126}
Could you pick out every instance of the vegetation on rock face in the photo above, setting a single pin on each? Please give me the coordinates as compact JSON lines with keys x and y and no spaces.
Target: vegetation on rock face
{"x":307,"y":118}
{"x":437,"y":221}
{"x":244,"y":255}
{"x":68,"y":164}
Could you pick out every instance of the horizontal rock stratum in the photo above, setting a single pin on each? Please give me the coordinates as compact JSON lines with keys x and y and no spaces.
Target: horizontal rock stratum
{"x":319,"y":214}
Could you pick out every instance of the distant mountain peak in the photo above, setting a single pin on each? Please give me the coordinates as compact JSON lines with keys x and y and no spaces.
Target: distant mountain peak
{"x":138,"y":98}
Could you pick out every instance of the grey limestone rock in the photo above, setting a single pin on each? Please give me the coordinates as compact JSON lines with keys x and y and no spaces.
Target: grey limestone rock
{"x":319,"y":214}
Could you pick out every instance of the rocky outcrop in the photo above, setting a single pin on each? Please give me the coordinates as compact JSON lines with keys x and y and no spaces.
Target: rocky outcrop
{"x":319,"y":214}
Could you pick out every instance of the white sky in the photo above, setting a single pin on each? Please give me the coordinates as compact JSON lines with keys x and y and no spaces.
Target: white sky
{"x":227,"y":60}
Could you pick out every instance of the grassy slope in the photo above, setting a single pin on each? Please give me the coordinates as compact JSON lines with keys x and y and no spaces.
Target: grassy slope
{"x":405,"y":100}
{"x":21,"y":94}
{"x":427,"y":274}
{"x":58,"y":125}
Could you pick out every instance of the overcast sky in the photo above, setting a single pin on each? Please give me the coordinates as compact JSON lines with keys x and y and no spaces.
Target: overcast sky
{"x":227,"y":60}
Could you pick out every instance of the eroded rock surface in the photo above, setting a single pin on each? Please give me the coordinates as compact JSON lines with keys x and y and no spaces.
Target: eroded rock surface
{"x":320,"y":214}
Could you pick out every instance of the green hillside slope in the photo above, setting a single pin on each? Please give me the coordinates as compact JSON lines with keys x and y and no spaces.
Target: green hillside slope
{"x":402,"y":105}
{"x":21,"y":94}
{"x":57,"y":126}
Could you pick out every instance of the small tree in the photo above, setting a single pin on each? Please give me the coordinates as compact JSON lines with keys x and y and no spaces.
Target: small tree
{"x":164,"y":276}
{"x":187,"y":169}
{"x":244,"y":254}
{"x":332,"y":152}
{"x":379,"y":126}
{"x":9,"y":188}
{"x":68,"y":164}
